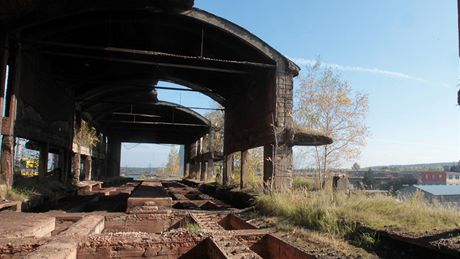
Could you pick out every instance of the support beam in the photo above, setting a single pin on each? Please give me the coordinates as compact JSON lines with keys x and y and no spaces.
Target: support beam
{"x":277,"y":167}
{"x":115,"y":157}
{"x":7,"y":126}
{"x":244,"y":169}
{"x":87,"y":167}
{"x":187,"y":154}
{"x":75,"y":173}
{"x":6,"y":176}
{"x":228,"y":164}
{"x":43,"y":160}
{"x":210,"y":170}
{"x":282,"y":179}
{"x":3,"y":67}
{"x":186,"y":170}
{"x":203,"y":172}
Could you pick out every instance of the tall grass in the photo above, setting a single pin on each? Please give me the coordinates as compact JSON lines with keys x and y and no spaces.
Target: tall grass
{"x":339,"y":214}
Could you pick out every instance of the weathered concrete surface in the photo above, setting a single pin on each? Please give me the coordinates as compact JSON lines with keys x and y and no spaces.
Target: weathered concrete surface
{"x":134,"y":245}
{"x":65,"y":244}
{"x":19,"y":225}
{"x":271,"y":246}
{"x":148,"y":198}
{"x":148,"y":223}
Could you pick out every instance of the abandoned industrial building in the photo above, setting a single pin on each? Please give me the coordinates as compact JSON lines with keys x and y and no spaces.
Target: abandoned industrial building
{"x":81,"y":78}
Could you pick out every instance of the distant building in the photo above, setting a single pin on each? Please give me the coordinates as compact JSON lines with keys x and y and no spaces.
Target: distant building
{"x":453,"y":178}
{"x":445,"y":194}
{"x":432,"y":178}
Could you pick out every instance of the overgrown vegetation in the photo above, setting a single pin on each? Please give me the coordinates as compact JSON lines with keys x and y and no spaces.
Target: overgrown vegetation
{"x":16,"y":194}
{"x":27,"y":187}
{"x":310,"y":240}
{"x":339,"y":214}
{"x":192,"y":227}
{"x":86,"y":135}
{"x":300,"y":182}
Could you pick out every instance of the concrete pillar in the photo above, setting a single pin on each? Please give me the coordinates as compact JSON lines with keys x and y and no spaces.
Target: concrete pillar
{"x":88,"y":167}
{"x":281,"y":175}
{"x":282,"y":180}
{"x":7,"y":156}
{"x":4,"y":53}
{"x":227,"y":170}
{"x":187,"y":154}
{"x":244,"y":169}
{"x":6,"y":175}
{"x":115,"y":157}
{"x":203,"y":172}
{"x":186,"y":170}
{"x":43,"y":160}
{"x":277,"y":167}
{"x":210,"y":170}
{"x":197,"y":170}
{"x":75,"y":172}
{"x":62,"y":165}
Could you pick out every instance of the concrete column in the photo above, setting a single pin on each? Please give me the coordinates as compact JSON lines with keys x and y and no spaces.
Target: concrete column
{"x":187,"y":154}
{"x":43,"y":160}
{"x":278,"y":175}
{"x":88,"y":167}
{"x":4,"y":53}
{"x":197,"y":171}
{"x":7,"y":156}
{"x":244,"y":169}
{"x":227,"y":170}
{"x":186,"y":170}
{"x":203,"y":172}
{"x":115,"y":157}
{"x":63,"y":165}
{"x":282,"y":179}
{"x":210,"y":170}
{"x":6,"y":175}
{"x":75,"y":172}
{"x":282,"y":154}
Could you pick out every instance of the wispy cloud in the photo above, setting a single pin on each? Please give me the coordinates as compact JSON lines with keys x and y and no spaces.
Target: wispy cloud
{"x":374,"y":71}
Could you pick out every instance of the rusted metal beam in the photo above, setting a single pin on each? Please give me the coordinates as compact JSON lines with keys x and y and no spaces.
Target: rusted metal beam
{"x":145,"y":53}
{"x":156,"y":123}
{"x":136,"y":114}
{"x":144,"y":62}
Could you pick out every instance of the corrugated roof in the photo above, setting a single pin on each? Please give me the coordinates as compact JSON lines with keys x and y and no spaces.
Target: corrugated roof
{"x":440,"y":189}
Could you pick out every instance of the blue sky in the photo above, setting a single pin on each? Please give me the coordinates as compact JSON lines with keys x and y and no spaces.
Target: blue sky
{"x":403,"y":54}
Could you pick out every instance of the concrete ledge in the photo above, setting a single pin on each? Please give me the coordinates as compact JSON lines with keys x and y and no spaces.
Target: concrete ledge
{"x":10,"y":204}
{"x":20,"y":225}
{"x":65,"y":244}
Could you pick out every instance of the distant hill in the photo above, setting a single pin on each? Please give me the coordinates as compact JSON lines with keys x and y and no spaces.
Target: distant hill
{"x":415,"y":167}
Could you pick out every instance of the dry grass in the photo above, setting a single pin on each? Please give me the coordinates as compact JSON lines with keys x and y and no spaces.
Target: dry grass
{"x":338,"y":214}
{"x":320,"y":243}
{"x":301,"y":182}
{"x":15,"y":194}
